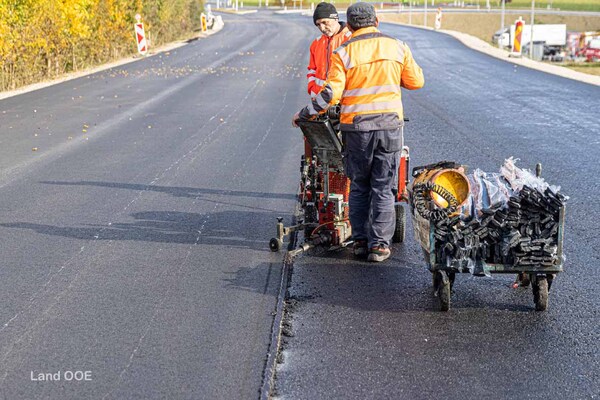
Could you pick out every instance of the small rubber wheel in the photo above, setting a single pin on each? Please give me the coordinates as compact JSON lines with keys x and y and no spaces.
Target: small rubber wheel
{"x":400,"y":231}
{"x":275,"y":244}
{"x":442,"y":290}
{"x":540,"y":292}
{"x":444,"y":297}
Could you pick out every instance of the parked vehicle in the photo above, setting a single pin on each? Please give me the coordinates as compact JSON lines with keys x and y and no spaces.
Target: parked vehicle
{"x":591,"y":51}
{"x":554,"y":35}
{"x":541,"y":51}
{"x":502,"y":36}
{"x":586,"y":37}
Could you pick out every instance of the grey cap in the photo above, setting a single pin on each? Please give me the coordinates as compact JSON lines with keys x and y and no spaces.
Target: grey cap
{"x":361,"y":15}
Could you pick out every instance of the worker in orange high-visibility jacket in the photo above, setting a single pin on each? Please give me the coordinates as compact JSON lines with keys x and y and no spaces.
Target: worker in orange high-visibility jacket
{"x":366,"y":75}
{"x":334,"y":33}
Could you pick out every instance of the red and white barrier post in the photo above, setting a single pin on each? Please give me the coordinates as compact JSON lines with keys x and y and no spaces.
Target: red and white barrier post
{"x":140,"y":36}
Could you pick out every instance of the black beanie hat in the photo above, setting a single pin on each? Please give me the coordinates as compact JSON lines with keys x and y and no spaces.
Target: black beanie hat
{"x":325,"y":10}
{"x":361,"y":15}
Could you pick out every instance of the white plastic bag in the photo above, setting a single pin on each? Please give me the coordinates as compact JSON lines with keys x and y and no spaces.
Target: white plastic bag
{"x":519,"y":177}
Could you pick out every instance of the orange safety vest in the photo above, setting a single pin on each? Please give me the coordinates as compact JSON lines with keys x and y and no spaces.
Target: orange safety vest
{"x":321,"y":50}
{"x":365,"y":77}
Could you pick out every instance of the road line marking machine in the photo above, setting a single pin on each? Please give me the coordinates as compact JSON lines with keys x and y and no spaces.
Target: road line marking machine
{"x":324,"y":190}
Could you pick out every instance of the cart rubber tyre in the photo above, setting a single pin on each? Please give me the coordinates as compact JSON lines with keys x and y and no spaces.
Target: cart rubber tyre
{"x":400,"y":231}
{"x":442,"y":289}
{"x":275,"y":245}
{"x":540,"y":292}
{"x":444,"y":297}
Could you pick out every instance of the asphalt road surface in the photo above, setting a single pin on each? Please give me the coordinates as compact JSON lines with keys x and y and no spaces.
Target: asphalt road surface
{"x":135,"y":237}
{"x":373,"y":331}
{"x":136,"y":206}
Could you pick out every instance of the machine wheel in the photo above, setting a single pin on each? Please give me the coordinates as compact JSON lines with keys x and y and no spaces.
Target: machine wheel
{"x":400,"y":231}
{"x":540,"y":292}
{"x":442,"y":289}
{"x":275,"y":244}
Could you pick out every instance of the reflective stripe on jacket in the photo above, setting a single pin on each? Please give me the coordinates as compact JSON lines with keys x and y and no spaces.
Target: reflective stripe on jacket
{"x":321,"y":50}
{"x":366,"y":75}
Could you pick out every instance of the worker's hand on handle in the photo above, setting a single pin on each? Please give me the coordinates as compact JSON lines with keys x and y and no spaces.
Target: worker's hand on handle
{"x":295,"y":118}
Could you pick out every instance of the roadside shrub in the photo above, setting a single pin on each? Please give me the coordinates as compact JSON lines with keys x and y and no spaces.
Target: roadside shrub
{"x":41,"y":39}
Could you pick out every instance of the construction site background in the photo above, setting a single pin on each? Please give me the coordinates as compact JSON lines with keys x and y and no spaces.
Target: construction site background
{"x":483,"y":26}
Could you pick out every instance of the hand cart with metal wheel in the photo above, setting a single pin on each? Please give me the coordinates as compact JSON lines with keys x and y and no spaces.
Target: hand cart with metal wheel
{"x":540,"y":277}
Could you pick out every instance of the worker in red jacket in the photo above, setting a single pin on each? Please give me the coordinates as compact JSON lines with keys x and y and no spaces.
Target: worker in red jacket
{"x":334,"y":33}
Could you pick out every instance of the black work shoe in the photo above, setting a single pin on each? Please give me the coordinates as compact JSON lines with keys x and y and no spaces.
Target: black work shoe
{"x":360,"y":248}
{"x":379,"y":253}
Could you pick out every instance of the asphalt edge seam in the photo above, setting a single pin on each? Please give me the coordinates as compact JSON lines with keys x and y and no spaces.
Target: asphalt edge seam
{"x":268,"y":379}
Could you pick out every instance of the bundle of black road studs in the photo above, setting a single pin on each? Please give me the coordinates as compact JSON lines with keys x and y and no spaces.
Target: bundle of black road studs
{"x":510,"y":218}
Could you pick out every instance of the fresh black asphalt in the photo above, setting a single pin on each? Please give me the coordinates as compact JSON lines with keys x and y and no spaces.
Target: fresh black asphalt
{"x":366,"y":331}
{"x":136,"y":206}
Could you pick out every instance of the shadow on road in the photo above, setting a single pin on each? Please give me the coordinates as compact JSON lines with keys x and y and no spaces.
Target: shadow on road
{"x":228,"y":228}
{"x":176,"y":191}
{"x":263,"y":278}
{"x":401,"y":284}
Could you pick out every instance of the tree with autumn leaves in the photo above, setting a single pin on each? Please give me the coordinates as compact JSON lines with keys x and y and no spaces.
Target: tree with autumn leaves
{"x":42,"y":39}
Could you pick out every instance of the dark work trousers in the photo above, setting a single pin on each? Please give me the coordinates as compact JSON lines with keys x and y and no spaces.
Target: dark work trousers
{"x":371,"y":161}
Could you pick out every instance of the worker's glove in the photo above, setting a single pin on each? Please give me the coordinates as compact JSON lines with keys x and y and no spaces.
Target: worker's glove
{"x":295,"y":118}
